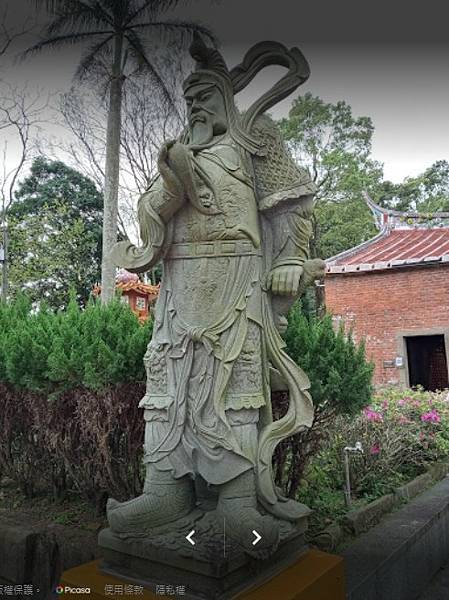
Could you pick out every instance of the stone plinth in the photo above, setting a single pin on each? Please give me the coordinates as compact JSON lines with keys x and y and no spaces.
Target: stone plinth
{"x":213,"y":568}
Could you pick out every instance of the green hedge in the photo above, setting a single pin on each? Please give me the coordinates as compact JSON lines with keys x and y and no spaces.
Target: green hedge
{"x":94,"y":348}
{"x":70,"y":383}
{"x":339,"y":373}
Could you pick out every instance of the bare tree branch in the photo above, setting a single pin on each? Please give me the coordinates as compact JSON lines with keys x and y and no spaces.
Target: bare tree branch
{"x":7,"y":35}
{"x":21,"y":113}
{"x":148,"y":118}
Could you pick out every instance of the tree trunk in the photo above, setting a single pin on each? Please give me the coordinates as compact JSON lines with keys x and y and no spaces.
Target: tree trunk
{"x":112,"y":171}
{"x":320,"y":299}
{"x":5,"y":283}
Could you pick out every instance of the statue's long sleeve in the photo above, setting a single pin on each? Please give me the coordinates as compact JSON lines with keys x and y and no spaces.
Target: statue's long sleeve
{"x":155,"y":208}
{"x":291,"y":229}
{"x":285,"y":196}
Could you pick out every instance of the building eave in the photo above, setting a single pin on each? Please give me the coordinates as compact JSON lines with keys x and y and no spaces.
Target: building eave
{"x":361,"y":268}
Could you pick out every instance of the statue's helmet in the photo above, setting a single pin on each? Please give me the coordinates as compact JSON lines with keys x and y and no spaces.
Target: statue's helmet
{"x":211,"y":69}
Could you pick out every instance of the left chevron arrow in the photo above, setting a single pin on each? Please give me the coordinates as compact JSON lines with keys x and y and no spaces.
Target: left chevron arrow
{"x":189,"y":537}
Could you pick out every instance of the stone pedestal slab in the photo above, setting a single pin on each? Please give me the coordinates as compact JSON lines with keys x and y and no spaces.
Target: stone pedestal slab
{"x":212,"y":568}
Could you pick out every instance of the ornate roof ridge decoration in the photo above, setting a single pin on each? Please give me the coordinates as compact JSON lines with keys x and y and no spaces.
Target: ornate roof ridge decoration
{"x":405,"y":239}
{"x":138,"y":286}
{"x":386,"y":217}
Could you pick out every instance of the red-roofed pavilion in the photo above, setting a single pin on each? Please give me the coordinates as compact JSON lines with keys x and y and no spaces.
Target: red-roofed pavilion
{"x":393,"y":291}
{"x":138,"y":295}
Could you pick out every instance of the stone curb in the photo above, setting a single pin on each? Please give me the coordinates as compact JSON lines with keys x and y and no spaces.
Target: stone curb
{"x":414,"y":487}
{"x":438,"y":470}
{"x":399,"y":557}
{"x":38,"y":555}
{"x":362,"y":519}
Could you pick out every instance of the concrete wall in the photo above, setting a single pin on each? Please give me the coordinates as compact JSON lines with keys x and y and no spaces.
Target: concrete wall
{"x":397,"y":559}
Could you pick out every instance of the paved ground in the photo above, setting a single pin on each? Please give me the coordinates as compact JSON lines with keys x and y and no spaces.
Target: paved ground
{"x":439,"y":587}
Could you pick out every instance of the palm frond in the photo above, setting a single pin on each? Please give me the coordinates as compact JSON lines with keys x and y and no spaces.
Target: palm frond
{"x":90,"y":59}
{"x":60,"y":7}
{"x":137,"y":50}
{"x":161,"y":6}
{"x":116,"y":9}
{"x":82,"y":20}
{"x":105,"y":9}
{"x":146,"y":8}
{"x":61,"y":40}
{"x":174,"y":26}
{"x":53,"y":6}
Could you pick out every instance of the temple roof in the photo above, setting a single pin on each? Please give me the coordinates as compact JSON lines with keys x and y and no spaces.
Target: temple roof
{"x":138,"y":286}
{"x":405,"y":239}
{"x":128,"y":284}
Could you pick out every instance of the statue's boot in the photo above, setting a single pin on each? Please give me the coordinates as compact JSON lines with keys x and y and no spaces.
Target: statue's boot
{"x":237,"y":505}
{"x":163,"y":501}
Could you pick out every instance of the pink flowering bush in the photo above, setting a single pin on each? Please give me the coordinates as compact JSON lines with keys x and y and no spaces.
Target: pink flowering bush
{"x":432,"y":416}
{"x":401,"y":432}
{"x":372,"y":415}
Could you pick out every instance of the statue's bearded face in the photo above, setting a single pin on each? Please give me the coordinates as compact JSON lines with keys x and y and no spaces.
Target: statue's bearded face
{"x":206,"y":113}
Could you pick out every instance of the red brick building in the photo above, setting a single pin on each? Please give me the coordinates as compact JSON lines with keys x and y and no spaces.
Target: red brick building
{"x":393,"y":291}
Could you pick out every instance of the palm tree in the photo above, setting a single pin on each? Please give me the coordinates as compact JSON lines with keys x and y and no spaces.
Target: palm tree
{"x":113,"y":32}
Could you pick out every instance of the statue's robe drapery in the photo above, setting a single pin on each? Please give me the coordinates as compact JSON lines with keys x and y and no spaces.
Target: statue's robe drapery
{"x":215,"y":340}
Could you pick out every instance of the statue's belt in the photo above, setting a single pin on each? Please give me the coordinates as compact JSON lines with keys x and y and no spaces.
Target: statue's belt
{"x":217,"y":248}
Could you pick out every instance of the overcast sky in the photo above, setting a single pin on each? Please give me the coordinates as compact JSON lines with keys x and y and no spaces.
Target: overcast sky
{"x":390,"y":63}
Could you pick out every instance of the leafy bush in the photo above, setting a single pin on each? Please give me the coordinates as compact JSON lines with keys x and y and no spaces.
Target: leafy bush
{"x":401,"y":432}
{"x":340,"y":380}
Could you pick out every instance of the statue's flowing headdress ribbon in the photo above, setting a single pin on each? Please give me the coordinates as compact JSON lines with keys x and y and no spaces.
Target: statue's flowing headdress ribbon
{"x":211,"y":68}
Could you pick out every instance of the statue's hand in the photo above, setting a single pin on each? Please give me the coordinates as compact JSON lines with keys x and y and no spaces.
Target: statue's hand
{"x":171,"y":182}
{"x":284,"y":280}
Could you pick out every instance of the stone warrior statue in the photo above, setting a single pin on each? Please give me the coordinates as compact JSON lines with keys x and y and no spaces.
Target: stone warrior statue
{"x":229,"y":216}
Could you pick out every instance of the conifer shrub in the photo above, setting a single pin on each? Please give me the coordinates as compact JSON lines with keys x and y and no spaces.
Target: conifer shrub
{"x":340,"y":378}
{"x":44,"y":351}
{"x":70,"y":384}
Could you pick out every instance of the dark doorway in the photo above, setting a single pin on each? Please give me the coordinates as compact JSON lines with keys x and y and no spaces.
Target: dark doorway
{"x":427,"y":362}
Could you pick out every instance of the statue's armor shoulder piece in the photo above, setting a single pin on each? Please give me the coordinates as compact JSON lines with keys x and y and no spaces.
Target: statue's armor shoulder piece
{"x":277,"y":176}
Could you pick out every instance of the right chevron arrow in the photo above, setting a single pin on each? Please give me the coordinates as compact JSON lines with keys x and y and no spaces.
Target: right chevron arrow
{"x":257,"y":536}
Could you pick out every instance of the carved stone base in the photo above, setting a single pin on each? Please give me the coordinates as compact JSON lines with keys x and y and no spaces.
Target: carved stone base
{"x":212,"y":569}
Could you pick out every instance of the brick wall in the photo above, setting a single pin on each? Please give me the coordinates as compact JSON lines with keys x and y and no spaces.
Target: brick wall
{"x":381,"y":306}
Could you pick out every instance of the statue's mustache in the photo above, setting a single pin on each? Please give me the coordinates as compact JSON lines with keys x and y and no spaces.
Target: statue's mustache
{"x":200,"y":115}
{"x":197,"y":119}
